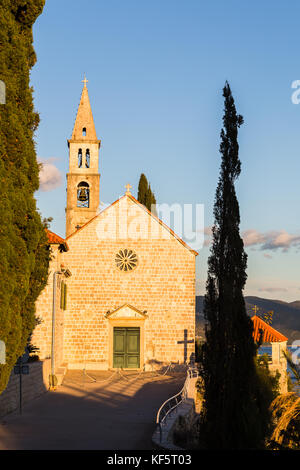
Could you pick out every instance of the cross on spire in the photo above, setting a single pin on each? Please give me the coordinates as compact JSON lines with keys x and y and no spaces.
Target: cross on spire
{"x":84,"y":121}
{"x":84,"y":81}
{"x":128,"y":187}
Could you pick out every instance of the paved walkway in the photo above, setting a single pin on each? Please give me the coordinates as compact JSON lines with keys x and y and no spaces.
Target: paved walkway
{"x":116,"y":414}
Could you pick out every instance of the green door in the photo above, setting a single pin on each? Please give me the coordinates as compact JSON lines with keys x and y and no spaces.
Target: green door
{"x":126,"y":348}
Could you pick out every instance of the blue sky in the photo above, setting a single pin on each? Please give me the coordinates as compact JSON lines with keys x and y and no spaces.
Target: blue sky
{"x":156,"y":71}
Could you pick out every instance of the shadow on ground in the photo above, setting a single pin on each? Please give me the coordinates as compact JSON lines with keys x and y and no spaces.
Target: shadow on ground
{"x":94,"y":411}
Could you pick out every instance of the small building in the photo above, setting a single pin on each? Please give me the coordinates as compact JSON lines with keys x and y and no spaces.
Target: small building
{"x":279,"y":346}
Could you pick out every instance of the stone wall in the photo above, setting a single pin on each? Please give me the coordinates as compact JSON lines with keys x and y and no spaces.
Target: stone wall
{"x":42,"y":335}
{"x":33,"y":385}
{"x":279,"y":364}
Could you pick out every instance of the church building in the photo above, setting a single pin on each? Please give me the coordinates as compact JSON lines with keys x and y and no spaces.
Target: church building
{"x":121,"y":286}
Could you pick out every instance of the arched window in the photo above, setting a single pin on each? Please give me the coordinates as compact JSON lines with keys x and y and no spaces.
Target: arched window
{"x":87,"y":158}
{"x":84,"y":131}
{"x":79,"y":158}
{"x":83,"y":194}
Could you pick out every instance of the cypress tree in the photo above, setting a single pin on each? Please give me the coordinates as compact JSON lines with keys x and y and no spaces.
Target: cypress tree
{"x":150,"y":200}
{"x":231,"y":414}
{"x":142,"y":190}
{"x":24,"y":251}
{"x":145,"y":195}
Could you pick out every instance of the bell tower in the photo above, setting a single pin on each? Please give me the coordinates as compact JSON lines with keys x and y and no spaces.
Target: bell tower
{"x":83,"y":179}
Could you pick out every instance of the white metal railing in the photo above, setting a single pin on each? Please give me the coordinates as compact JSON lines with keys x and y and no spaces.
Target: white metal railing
{"x":172,"y":403}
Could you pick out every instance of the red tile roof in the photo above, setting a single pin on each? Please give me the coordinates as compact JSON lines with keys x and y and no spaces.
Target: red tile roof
{"x":270,"y":335}
{"x":56,"y":239}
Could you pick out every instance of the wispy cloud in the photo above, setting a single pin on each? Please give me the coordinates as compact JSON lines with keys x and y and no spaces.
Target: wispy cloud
{"x":272,"y":240}
{"x":50,"y":176}
{"x":273,"y":289}
{"x":252,"y":237}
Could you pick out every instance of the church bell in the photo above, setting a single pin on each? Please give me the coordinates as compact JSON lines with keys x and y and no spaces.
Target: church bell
{"x":83,"y":195}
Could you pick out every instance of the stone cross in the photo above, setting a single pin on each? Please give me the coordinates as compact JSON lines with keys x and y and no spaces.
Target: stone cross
{"x":84,"y":81}
{"x":255,"y":309}
{"x":128,"y":187}
{"x":185,"y":342}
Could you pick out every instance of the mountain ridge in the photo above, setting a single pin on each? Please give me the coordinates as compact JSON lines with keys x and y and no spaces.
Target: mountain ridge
{"x":286,"y":317}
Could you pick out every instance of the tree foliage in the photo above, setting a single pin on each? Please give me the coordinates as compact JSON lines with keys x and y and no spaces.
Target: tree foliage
{"x":145,"y":195}
{"x":24,"y":253}
{"x":285,"y":411}
{"x":233,"y":413}
{"x":286,"y":415}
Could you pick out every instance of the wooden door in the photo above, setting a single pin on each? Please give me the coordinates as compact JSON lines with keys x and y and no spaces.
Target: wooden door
{"x":126,"y":348}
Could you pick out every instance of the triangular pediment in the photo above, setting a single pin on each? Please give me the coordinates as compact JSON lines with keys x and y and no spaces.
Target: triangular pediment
{"x":126,"y":311}
{"x":127,"y":218}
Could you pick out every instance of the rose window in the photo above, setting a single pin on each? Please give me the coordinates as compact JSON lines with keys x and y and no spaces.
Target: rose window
{"x":126,"y":260}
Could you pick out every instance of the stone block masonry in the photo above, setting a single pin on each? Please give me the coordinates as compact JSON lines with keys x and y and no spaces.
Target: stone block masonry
{"x":162,"y":285}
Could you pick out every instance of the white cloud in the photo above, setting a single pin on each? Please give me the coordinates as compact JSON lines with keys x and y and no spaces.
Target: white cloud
{"x":50,"y":176}
{"x":272,"y":240}
{"x":273,"y":289}
{"x":252,"y":237}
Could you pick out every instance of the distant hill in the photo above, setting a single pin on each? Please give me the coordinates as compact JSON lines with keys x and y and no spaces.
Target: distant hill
{"x":286,"y":317}
{"x":295,"y":304}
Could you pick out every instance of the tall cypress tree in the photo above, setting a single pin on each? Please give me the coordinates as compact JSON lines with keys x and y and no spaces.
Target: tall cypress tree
{"x":150,"y":200}
{"x":142,"y":189}
{"x":231,"y":415}
{"x":145,"y":195}
{"x":24,"y":253}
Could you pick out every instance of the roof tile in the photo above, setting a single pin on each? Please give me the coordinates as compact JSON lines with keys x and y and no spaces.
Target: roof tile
{"x":270,"y":335}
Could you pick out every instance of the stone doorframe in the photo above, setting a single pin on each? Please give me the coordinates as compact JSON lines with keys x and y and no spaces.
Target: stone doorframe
{"x":126,"y":316}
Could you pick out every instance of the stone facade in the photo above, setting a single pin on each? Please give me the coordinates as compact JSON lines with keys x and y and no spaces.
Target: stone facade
{"x":42,"y":336}
{"x":162,"y":285}
{"x":158,"y":296}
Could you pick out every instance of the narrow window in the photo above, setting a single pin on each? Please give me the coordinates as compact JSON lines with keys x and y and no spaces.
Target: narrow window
{"x":84,"y":132}
{"x":83,"y":194}
{"x":63,"y":295}
{"x":87,"y":158}
{"x":79,"y":158}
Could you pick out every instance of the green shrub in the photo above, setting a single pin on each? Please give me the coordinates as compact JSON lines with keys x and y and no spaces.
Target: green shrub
{"x":24,"y":251}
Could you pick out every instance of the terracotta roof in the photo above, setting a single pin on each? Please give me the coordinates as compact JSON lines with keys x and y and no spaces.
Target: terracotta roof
{"x":270,"y":335}
{"x":146,"y":210}
{"x":56,"y":240}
